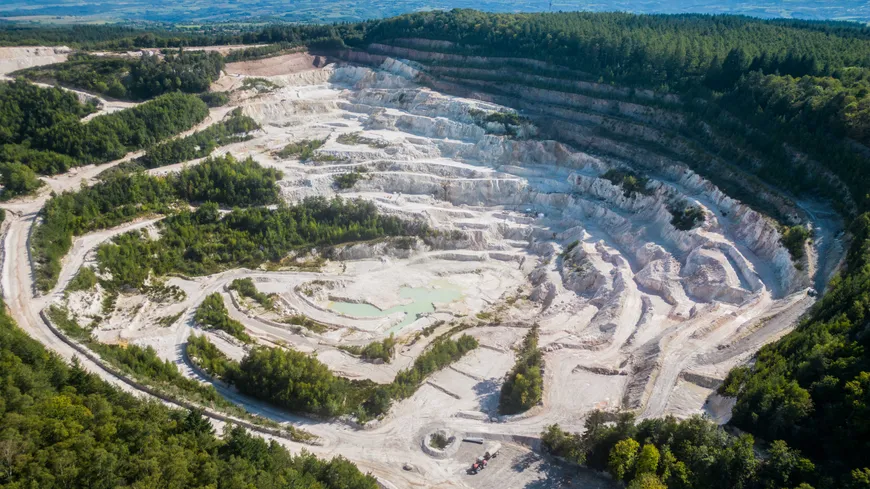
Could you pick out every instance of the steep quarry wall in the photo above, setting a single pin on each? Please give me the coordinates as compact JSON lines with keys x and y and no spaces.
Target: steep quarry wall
{"x":510,"y":178}
{"x":19,"y":58}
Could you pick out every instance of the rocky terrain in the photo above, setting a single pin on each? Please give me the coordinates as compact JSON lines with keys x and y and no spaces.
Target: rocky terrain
{"x":536,"y":224}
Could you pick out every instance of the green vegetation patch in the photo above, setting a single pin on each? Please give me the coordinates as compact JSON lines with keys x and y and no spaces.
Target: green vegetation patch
{"x":257,"y":52}
{"x":246,"y":288}
{"x":141,"y":363}
{"x":198,"y":145}
{"x":307,"y":323}
{"x":524,"y":385}
{"x":121,"y":198}
{"x":215,"y":99}
{"x":347,"y":180}
{"x":511,"y":121}
{"x":684,"y":216}
{"x":794,"y":238}
{"x":383,"y":350}
{"x":204,"y":241}
{"x":167,"y":321}
{"x":301,"y":150}
{"x":98,"y":431}
{"x":85,"y":279}
{"x":140,"y":78}
{"x":261,"y":85}
{"x":631,"y":182}
{"x":17,"y":179}
{"x":694,"y":454}
{"x":438,"y":440}
{"x":356,"y":138}
{"x":301,"y":383}
{"x":41,"y":127}
{"x":212,"y":314}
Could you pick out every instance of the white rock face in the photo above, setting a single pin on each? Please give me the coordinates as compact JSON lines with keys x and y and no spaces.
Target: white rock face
{"x":709,"y":280}
{"x":505,"y":231}
{"x":19,"y":58}
{"x":620,"y":292}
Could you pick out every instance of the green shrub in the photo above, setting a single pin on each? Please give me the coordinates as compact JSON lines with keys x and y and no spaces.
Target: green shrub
{"x":524,"y":385}
{"x":246,"y":288}
{"x":215,"y":99}
{"x":307,"y":323}
{"x":258,"y":84}
{"x":382,"y":350}
{"x":794,"y":238}
{"x":685,"y":217}
{"x":355,"y":138}
{"x":18,"y":179}
{"x":631,"y":182}
{"x":301,"y":150}
{"x":212,"y":314}
{"x":344,"y":181}
{"x":438,"y":440}
{"x":85,"y":279}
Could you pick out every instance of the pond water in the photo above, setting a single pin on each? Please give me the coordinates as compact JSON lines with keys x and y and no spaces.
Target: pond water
{"x":421,"y":303}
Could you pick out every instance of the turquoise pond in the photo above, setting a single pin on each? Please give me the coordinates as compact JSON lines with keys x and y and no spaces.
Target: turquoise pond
{"x":422,"y":299}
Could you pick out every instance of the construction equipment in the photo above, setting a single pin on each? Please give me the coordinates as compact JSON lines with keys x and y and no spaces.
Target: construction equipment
{"x":492,"y":450}
{"x":481,"y":463}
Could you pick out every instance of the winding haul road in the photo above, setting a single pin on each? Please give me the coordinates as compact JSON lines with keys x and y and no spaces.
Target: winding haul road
{"x":376,"y":451}
{"x":396,"y":441}
{"x":383,"y":450}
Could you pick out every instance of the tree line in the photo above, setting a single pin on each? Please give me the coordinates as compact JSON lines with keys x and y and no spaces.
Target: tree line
{"x":801,"y":82}
{"x":524,"y":385}
{"x":301,"y":383}
{"x":122,"y":197}
{"x":41,"y":128}
{"x":233,"y":129}
{"x":812,"y":388}
{"x":66,"y":428}
{"x":213,"y":314}
{"x":139,"y":78}
{"x":204,"y":241}
{"x":667,"y":453}
{"x":804,"y":83}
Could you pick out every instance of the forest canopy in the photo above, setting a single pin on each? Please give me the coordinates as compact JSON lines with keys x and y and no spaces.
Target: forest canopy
{"x":123,"y":197}
{"x":66,"y":428}
{"x":775,"y":87}
{"x":204,"y":241}
{"x":301,"y":383}
{"x":41,"y":127}
{"x":140,"y":78}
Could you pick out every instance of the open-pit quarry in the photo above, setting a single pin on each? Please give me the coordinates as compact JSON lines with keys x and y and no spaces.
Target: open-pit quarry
{"x":634,"y":313}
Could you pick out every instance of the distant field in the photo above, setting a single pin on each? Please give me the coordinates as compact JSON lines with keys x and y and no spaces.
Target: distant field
{"x":311,"y":11}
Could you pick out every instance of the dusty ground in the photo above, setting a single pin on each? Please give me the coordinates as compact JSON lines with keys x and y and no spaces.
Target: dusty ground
{"x":634,"y":313}
{"x":278,"y":65}
{"x":19,"y":58}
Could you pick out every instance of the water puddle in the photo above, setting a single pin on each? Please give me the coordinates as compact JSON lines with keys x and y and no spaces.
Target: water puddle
{"x":422,"y":302}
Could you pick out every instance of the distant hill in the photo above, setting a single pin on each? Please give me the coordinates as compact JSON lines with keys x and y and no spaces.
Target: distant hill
{"x":316,"y":11}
